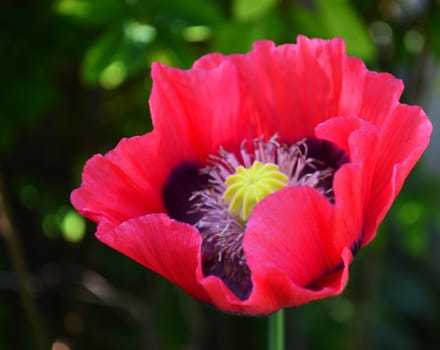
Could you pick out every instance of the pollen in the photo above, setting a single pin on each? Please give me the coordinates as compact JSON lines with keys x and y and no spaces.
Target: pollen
{"x":248,"y":186}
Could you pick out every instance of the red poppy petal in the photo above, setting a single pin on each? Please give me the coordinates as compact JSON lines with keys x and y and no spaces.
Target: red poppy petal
{"x":117,"y":186}
{"x":361,"y":97}
{"x":209,"y":117}
{"x":273,"y":289}
{"x":351,"y":187}
{"x":292,"y":230}
{"x":270,"y":81}
{"x":209,"y":61}
{"x":338,"y":130}
{"x":291,"y":99}
{"x":404,"y":138}
{"x":127,"y":181}
{"x":168,"y":247}
{"x":382,"y":156}
{"x":352,"y":182}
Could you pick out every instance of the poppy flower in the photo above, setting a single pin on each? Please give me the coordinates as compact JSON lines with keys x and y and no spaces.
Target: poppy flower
{"x":264,"y":174}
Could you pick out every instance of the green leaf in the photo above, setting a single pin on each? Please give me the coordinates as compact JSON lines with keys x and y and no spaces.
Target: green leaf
{"x":307,"y":21}
{"x":270,"y":27}
{"x":180,"y":12}
{"x":91,"y":12}
{"x":117,"y":54}
{"x":226,"y":38}
{"x":337,"y":18}
{"x":248,"y":10}
{"x":340,"y":19}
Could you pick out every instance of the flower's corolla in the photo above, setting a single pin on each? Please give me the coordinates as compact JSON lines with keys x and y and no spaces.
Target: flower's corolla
{"x":264,"y":175}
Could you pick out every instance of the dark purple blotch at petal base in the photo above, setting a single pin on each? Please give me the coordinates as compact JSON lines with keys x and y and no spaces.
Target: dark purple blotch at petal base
{"x":231,"y":268}
{"x":183,"y":181}
{"x":329,"y":156}
{"x":327,"y":152}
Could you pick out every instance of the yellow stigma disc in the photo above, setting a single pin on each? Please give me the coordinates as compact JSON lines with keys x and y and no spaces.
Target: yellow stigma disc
{"x":248,"y":186}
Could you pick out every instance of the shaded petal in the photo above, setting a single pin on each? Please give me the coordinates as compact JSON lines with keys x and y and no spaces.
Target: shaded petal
{"x":168,"y":247}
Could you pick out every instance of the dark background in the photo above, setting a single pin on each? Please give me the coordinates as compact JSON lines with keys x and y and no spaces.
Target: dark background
{"x":75,"y":79}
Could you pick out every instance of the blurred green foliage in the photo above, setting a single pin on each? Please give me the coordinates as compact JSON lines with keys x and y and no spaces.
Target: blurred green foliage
{"x":75,"y":79}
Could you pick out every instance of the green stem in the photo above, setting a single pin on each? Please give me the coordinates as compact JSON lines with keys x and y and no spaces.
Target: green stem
{"x":276,"y":331}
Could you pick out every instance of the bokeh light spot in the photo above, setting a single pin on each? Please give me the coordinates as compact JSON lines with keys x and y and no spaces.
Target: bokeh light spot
{"x":139,"y":32}
{"x":113,"y":75}
{"x":73,"y":227}
{"x":196,"y":33}
{"x":381,"y":33}
{"x":50,"y":226}
{"x":73,"y":8}
{"x":413,"y":41}
{"x":29,"y":196}
{"x":410,"y":212}
{"x":60,"y":345}
{"x":163,"y":56}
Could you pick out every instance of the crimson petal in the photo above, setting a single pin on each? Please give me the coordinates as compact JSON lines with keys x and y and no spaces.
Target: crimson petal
{"x":216,"y":115}
{"x":166,"y":246}
{"x":292,"y":230}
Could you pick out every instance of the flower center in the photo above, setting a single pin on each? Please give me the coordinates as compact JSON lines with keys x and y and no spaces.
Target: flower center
{"x":248,"y":186}
{"x":219,"y":198}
